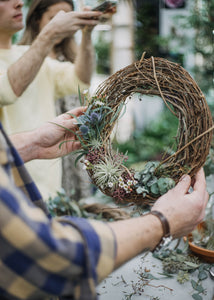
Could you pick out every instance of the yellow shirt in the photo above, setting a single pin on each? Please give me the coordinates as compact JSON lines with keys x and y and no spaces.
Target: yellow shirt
{"x":35,"y":106}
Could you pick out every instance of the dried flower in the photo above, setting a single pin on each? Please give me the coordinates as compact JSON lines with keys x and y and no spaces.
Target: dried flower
{"x":99,"y":103}
{"x":94,"y":155}
{"x":95,"y":117}
{"x":84,"y":129}
{"x":85,"y":92}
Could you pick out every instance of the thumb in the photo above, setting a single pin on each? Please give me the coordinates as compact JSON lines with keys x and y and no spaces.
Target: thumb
{"x":183,"y":185}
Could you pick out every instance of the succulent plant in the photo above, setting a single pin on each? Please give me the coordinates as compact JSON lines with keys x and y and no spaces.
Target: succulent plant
{"x":107,"y":172}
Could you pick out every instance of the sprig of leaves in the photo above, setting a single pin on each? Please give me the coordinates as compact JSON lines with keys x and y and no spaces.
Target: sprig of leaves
{"x":149,"y":183}
{"x":182,"y":263}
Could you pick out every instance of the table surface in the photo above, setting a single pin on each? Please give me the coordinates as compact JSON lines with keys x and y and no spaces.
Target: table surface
{"x":121,"y":283}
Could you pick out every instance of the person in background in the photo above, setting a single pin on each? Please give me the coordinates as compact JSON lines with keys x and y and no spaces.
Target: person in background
{"x":30,"y":81}
{"x":75,"y":179}
{"x":39,"y":14}
{"x":46,"y":258}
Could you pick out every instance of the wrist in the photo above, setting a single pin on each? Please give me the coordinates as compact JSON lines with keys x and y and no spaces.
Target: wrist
{"x":25,"y":144}
{"x":46,"y":41}
{"x":166,"y":235}
{"x":155,"y":230}
{"x":86,"y":33}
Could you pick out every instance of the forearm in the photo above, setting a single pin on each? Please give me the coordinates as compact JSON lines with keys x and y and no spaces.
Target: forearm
{"x":84,"y":62}
{"x":23,"y":72}
{"x":135,"y":235}
{"x":25,"y":144}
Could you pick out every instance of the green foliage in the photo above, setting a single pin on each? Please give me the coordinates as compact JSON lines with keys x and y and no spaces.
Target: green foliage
{"x":209,"y":164}
{"x":204,"y":237}
{"x":62,"y":205}
{"x":27,"y":2}
{"x":183,"y":263}
{"x":182,"y":277}
{"x":147,"y":182}
{"x":203,"y":22}
{"x":107,"y":172}
{"x":200,"y":42}
{"x":146,"y":29}
{"x":102,"y":48}
{"x":92,"y":123}
{"x":152,"y":142}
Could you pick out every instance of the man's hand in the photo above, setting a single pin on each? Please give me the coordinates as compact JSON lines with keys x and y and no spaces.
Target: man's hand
{"x":44,"y":142}
{"x":184,"y":210}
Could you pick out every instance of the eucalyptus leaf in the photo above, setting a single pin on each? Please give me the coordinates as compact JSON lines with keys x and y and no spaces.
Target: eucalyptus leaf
{"x":198,"y":287}
{"x":154,"y":189}
{"x":166,"y":275}
{"x":75,"y":208}
{"x":197,"y":297}
{"x":202,"y":275}
{"x":192,"y":265}
{"x":139,"y":190}
{"x":137,"y":176}
{"x":194,"y":284}
{"x":150,"y":276}
{"x":152,"y":181}
{"x":146,"y":178}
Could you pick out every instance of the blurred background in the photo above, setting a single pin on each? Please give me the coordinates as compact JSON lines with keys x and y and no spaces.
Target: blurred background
{"x":178,"y":30}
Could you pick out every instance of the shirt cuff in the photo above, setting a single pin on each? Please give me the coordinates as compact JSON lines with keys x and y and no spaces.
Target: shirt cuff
{"x":100,"y":245}
{"x":107,"y":256}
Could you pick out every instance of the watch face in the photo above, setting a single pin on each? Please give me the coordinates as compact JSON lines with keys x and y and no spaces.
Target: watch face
{"x":174,"y":3}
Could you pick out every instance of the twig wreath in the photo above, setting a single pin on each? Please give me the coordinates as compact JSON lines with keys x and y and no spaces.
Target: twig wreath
{"x":181,"y":95}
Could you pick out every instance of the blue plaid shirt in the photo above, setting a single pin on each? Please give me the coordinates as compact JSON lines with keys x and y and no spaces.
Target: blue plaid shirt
{"x":43,"y":257}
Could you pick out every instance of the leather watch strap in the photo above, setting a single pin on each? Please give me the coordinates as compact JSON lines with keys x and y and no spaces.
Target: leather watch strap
{"x":166,"y":238}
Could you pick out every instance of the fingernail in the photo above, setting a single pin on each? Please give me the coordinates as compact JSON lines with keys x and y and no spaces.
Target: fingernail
{"x":183,"y":178}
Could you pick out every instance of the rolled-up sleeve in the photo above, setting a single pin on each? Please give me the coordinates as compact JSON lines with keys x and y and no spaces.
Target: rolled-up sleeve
{"x":7,"y":96}
{"x":40,"y":257}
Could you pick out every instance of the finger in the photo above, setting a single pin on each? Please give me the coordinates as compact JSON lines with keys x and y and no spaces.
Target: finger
{"x":88,"y":14}
{"x":77,"y":111}
{"x":183,"y":185}
{"x":200,"y":181}
{"x":206,"y":198}
{"x":199,"y":186}
{"x":87,"y":8}
{"x":90,"y":22}
{"x":76,"y":145}
{"x":204,"y":201}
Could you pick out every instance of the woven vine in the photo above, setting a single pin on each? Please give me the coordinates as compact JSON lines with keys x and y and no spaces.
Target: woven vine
{"x":185,"y":100}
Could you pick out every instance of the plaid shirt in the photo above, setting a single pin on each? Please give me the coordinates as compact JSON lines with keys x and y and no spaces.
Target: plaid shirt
{"x":41,"y":257}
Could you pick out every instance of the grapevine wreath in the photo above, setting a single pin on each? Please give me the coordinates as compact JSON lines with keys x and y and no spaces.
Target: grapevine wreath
{"x":181,"y":95}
